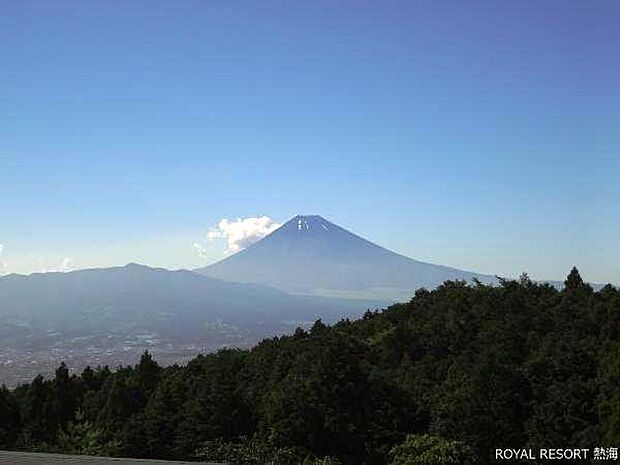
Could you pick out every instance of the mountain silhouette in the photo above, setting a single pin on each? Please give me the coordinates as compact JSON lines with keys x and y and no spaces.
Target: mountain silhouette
{"x":311,"y":255}
{"x":134,"y":298}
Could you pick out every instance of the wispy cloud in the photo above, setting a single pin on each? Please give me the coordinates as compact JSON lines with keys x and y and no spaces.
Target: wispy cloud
{"x":66,"y":265}
{"x":34,"y":263}
{"x":242,"y":232}
{"x":200,"y":250}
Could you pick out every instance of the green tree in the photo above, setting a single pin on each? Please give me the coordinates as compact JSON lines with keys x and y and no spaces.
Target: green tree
{"x":573,"y":280}
{"x":10,"y":420}
{"x":426,"y":449}
{"x":82,"y":437}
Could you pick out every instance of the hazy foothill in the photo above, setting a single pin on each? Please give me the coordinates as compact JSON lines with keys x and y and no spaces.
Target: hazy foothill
{"x":309,"y":268}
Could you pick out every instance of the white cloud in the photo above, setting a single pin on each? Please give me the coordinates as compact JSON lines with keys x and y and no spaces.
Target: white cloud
{"x":200,"y":250}
{"x":66,"y":264}
{"x":242,"y":232}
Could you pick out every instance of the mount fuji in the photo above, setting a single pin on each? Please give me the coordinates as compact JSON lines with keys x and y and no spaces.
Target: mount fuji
{"x":310,"y":255}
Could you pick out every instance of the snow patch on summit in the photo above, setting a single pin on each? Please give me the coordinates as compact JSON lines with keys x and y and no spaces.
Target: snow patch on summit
{"x":302,"y":224}
{"x":309,"y":223}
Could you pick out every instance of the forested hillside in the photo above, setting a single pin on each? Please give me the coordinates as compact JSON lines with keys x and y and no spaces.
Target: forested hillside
{"x":454,"y":373}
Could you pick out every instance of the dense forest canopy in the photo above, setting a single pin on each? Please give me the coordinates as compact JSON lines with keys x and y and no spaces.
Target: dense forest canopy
{"x":445,"y":378}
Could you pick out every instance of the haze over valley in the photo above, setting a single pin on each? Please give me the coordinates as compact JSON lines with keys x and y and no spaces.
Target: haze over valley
{"x":307,"y":269}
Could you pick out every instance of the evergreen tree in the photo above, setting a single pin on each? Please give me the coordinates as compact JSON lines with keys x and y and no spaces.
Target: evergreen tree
{"x":573,"y":280}
{"x":426,"y":449}
{"x":10,"y":421}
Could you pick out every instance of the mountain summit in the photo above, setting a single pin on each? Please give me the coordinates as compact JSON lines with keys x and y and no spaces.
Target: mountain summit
{"x":311,"y":255}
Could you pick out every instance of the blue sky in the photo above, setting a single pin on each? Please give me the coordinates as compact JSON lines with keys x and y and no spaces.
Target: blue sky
{"x":483,"y":135}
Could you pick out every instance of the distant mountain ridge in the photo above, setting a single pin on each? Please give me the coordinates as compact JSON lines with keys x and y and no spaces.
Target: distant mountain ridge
{"x":311,"y":255}
{"x":178,"y":304}
{"x":109,"y":316}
